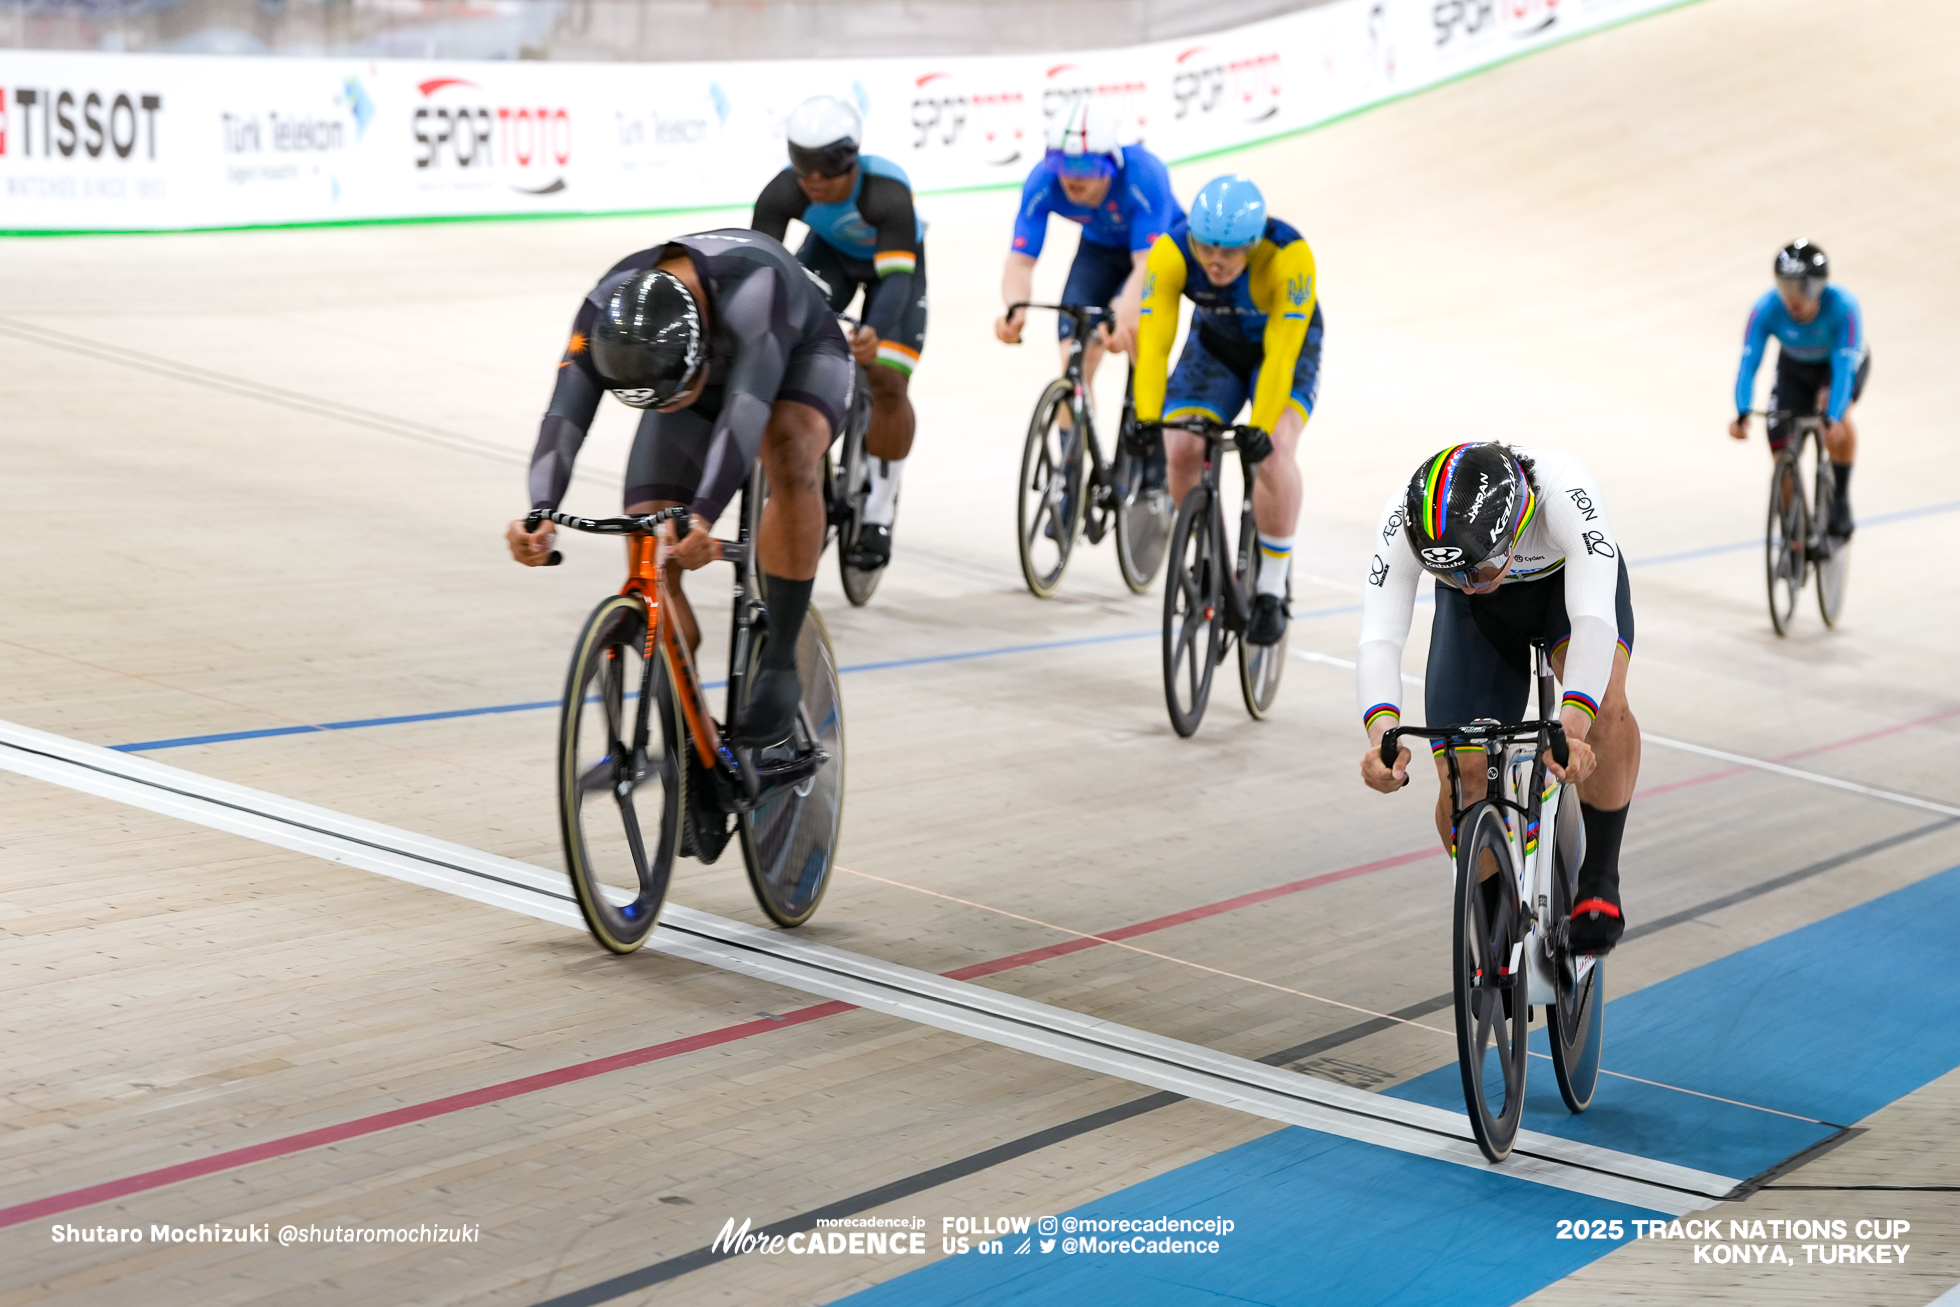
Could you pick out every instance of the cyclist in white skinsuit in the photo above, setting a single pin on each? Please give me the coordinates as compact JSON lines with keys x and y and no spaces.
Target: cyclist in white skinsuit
{"x":1521,"y":548}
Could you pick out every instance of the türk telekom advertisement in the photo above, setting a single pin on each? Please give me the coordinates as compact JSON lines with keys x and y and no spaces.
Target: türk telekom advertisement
{"x":105,"y":142}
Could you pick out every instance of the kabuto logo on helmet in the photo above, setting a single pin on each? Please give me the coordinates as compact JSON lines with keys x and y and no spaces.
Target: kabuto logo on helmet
{"x":1442,"y":556}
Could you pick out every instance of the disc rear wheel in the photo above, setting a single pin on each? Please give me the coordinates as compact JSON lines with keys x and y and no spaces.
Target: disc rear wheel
{"x":1144,"y":517}
{"x":1049,"y":511}
{"x":619,"y":785}
{"x":789,"y":840}
{"x":1260,"y":665}
{"x":853,"y":489}
{"x":1193,"y":618}
{"x":1832,"y":555}
{"x":1489,"y":991}
{"x":1578,"y":1013}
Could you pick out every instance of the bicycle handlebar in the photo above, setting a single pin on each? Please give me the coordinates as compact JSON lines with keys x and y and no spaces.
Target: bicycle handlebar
{"x":630,"y":524}
{"x":1478,"y":733}
{"x":1085,"y":315}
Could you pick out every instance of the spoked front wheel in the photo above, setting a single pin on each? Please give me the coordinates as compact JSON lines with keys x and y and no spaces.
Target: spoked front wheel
{"x":1490,"y":988}
{"x":790,"y":839}
{"x":1144,"y":516}
{"x":1784,"y":542}
{"x":1578,"y":1014}
{"x":1194,"y":625}
{"x":619,"y":785}
{"x":1049,"y":512}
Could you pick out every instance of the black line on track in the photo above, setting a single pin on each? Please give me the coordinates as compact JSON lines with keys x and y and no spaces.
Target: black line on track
{"x":672,"y":1267}
{"x":1872,"y":1188}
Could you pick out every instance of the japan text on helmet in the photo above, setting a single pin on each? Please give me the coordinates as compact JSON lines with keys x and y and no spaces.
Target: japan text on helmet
{"x":646,"y":343}
{"x":1229,"y":211}
{"x":1082,"y":140}
{"x":823,"y":133}
{"x":1467,"y":506}
{"x":1802,"y":267}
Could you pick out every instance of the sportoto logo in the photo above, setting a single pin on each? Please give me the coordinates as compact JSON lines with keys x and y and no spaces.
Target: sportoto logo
{"x":525,"y":144}
{"x":1477,"y":20}
{"x":1206,"y":83}
{"x":990,"y":123}
{"x":1068,"y":83}
{"x":1442,"y":555}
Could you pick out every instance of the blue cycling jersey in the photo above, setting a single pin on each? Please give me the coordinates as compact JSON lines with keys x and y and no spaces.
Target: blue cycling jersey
{"x":843,"y":226}
{"x":1836,"y":335}
{"x":1139,"y":208}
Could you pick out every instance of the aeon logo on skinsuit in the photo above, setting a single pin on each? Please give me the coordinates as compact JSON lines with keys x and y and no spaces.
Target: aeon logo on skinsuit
{"x":1249,"y":87}
{"x":525,"y":144}
{"x":990,"y":124}
{"x":60,"y":123}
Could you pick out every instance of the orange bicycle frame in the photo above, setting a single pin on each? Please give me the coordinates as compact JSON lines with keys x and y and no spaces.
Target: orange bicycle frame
{"x":646,"y":578}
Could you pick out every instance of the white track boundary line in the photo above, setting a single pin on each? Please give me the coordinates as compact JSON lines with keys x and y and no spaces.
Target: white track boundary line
{"x":1743,"y":759}
{"x":918,"y":996}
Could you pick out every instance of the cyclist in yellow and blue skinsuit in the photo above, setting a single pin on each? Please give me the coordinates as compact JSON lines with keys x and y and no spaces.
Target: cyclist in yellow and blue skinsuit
{"x":1255,"y":335}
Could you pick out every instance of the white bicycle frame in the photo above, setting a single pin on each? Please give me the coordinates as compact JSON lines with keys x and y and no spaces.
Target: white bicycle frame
{"x":1532,"y":846}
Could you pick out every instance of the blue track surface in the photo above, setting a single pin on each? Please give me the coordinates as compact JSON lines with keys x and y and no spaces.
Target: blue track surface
{"x":1830,"y":1022}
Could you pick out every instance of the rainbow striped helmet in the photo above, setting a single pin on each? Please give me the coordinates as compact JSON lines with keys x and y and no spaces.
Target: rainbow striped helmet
{"x":1465,"y":506}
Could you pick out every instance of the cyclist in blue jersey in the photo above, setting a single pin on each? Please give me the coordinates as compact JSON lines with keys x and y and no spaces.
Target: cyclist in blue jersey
{"x":863,"y":234}
{"x":1121,"y":195}
{"x":1823,"y":361}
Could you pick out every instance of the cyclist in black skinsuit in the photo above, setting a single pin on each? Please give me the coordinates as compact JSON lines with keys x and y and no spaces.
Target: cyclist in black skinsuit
{"x":731,"y":352}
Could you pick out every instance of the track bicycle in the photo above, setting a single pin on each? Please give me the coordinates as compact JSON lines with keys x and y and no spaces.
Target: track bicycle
{"x":1206,"y":603}
{"x":1509,"y":953}
{"x":1068,"y":489}
{"x":1798,"y":540}
{"x":645,"y":774}
{"x":847,"y":485}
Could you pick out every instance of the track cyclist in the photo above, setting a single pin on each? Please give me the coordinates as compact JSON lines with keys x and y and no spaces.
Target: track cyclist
{"x":863,"y":234}
{"x":1823,"y":361}
{"x":1256,"y":332}
{"x":1521,"y":549}
{"x":1120,"y":194}
{"x":730,"y":352}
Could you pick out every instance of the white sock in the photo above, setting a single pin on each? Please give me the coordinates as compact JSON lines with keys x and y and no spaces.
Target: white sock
{"x":1275,"y":557}
{"x":881,"y":505}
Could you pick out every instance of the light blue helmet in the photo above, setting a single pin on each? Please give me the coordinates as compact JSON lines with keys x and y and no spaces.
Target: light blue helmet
{"x":1229,"y":211}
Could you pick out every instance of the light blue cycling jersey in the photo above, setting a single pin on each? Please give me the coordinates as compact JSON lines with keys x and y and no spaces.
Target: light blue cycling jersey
{"x":1836,"y":335}
{"x":1139,"y":208}
{"x":843,"y":226}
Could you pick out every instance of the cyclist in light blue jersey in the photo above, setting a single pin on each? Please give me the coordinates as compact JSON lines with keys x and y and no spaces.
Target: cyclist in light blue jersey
{"x":863,"y":234}
{"x":1121,"y":196}
{"x":1823,"y":361}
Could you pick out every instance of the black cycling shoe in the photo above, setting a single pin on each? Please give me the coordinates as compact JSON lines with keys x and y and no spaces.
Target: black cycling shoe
{"x":1268,"y":622}
{"x":769,"y":716}
{"x":1595,"y":928}
{"x":1841,"y":525}
{"x":873,"y":548}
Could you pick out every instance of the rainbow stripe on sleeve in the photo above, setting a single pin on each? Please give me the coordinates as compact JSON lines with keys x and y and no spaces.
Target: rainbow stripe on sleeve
{"x":1380,"y":710}
{"x":889,"y":261}
{"x":1585,"y":703}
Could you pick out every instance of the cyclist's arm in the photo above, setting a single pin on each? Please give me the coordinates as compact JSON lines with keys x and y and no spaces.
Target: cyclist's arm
{"x":754,"y":375}
{"x":1848,"y":351}
{"x":1031,"y":219}
{"x":886,"y":203}
{"x":781,"y":200}
{"x":1755,"y":339}
{"x":1163,"y":291}
{"x":1289,"y":287}
{"x":1592,"y":584}
{"x":573,"y":402}
{"x":1388,"y":604}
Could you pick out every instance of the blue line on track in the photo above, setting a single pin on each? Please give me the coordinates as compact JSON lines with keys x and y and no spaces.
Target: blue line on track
{"x":226,"y":737}
{"x":1832,"y":1021}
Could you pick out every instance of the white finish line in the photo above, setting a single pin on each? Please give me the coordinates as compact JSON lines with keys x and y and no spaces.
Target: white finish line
{"x":919,"y":996}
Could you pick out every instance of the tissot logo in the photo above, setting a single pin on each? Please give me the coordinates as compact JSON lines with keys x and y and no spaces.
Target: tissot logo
{"x":59,"y":122}
{"x":528,"y":143}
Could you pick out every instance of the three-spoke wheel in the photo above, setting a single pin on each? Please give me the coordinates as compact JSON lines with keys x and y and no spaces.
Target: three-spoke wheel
{"x":1049,"y":512}
{"x":1786,"y":541}
{"x":1578,"y":1012}
{"x":1490,"y":988}
{"x":1194,"y":600}
{"x":619,"y":786}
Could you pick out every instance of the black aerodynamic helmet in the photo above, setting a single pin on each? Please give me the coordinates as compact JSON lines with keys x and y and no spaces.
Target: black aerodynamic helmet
{"x":1802,"y":267}
{"x":1466,"y":506}
{"x":646,"y":343}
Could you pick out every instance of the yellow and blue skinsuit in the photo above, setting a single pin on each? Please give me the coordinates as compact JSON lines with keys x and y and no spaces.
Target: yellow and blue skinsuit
{"x":1258,"y":338}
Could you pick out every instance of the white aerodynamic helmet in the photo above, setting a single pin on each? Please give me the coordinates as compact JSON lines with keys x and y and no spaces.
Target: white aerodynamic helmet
{"x":1082,"y":140}
{"x":823,"y":133}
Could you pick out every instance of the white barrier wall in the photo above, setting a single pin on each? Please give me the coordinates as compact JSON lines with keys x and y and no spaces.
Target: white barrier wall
{"x":105,"y":142}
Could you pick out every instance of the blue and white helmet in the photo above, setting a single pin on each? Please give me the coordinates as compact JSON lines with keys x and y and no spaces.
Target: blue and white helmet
{"x":1229,"y":211}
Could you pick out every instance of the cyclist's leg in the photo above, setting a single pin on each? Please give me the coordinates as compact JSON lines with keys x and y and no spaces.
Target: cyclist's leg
{"x":1201,"y":386}
{"x":1842,"y":445}
{"x":664,"y":470}
{"x":1604,"y":796}
{"x":1098,"y":272}
{"x":893,"y":423}
{"x":1276,"y":497}
{"x":1469,"y":677}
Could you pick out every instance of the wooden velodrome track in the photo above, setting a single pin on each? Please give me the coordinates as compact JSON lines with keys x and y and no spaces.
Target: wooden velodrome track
{"x":258,"y":481}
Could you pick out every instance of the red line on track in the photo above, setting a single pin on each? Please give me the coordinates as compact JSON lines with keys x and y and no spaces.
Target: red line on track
{"x":56,"y":1204}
